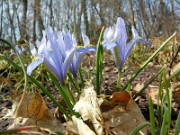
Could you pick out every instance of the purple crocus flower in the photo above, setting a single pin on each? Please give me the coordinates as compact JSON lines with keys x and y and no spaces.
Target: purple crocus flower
{"x":115,"y":39}
{"x":20,"y":50}
{"x":79,"y":55}
{"x":55,"y":51}
{"x":69,"y":43}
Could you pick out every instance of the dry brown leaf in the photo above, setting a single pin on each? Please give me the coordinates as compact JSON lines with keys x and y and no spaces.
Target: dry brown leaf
{"x":121,"y":97}
{"x":175,"y":68}
{"x":176,"y":93}
{"x":32,"y":110}
{"x":117,"y":98}
{"x":121,"y":120}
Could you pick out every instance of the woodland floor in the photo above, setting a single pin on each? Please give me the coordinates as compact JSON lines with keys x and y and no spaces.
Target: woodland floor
{"x":108,"y":86}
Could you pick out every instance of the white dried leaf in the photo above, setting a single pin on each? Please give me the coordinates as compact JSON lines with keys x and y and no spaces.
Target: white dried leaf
{"x":88,"y":108}
{"x":82,"y":128}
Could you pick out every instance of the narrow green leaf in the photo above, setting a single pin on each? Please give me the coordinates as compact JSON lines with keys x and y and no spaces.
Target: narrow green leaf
{"x":159,"y":106}
{"x":149,"y":82}
{"x":152,"y":118}
{"x":74,"y":82}
{"x":164,"y":128}
{"x":64,"y":92}
{"x":99,"y":62}
{"x":177,"y":126}
{"x":169,"y":100}
{"x":139,"y":127}
{"x":81,"y":77}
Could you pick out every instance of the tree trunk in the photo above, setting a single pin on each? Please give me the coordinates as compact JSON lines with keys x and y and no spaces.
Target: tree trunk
{"x":51,"y":14}
{"x":77,"y":21}
{"x":24,"y":16}
{"x":130,"y":6}
{"x":86,"y":23}
{"x":11,"y":18}
{"x":1,"y":17}
{"x":39,"y":17}
{"x":145,"y":27}
{"x":34,"y":22}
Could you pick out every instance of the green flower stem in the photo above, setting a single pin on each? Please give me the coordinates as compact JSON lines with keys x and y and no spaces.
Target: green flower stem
{"x":177,"y":126}
{"x":74,"y":82}
{"x":152,"y":119}
{"x":119,"y":67}
{"x":81,"y":77}
{"x":99,"y":62}
{"x":119,"y":80}
{"x":146,"y":63}
{"x":65,"y":93}
{"x":136,"y":130}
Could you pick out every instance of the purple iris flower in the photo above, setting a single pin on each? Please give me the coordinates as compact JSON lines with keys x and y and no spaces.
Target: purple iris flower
{"x":20,"y":50}
{"x":70,"y":42}
{"x":115,"y":39}
{"x":55,"y":51}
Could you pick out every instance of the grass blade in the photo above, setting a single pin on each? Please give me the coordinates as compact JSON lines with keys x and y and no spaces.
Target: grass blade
{"x":149,"y":82}
{"x":81,"y":77}
{"x":152,"y":118}
{"x":164,"y":123}
{"x":159,"y":106}
{"x":99,"y":62}
{"x":74,"y":82}
{"x":139,"y":127}
{"x":65,"y":93}
{"x":177,"y":126}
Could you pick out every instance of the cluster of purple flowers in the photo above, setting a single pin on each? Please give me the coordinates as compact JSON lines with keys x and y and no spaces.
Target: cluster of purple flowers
{"x":59,"y":51}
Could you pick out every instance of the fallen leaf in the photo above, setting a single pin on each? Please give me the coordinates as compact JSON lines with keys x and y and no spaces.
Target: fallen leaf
{"x":175,"y":68}
{"x":88,"y":108}
{"x":117,"y":98}
{"x":176,"y":93}
{"x":82,"y":128}
{"x":121,"y":121}
{"x":121,"y":97}
{"x":32,"y":110}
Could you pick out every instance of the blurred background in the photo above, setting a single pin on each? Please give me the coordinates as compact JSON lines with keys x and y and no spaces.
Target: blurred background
{"x":25,"y":19}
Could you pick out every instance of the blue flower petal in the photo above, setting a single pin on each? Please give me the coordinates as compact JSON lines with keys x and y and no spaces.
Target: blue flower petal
{"x":68,"y":61}
{"x":132,"y":43}
{"x":34,"y":64}
{"x":86,"y":40}
{"x":109,"y":45}
{"x":75,"y":63}
{"x":33,"y":49}
{"x":91,"y":48}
